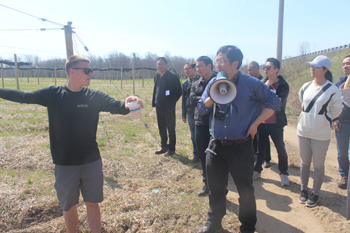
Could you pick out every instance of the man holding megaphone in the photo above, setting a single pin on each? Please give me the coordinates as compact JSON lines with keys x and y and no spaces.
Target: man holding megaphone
{"x":231,"y":150}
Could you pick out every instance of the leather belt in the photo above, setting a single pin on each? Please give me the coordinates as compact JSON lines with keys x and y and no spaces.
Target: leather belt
{"x":231,"y":143}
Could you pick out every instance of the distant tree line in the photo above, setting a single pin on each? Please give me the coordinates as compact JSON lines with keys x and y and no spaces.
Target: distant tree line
{"x":114,"y":59}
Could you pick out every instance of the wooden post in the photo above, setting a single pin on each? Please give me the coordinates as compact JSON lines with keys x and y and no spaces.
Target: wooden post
{"x":121,"y":77}
{"x":55,"y":75}
{"x":2,"y":75}
{"x":16,"y":72}
{"x":28,"y":76}
{"x":69,"y":41}
{"x":143,"y":73}
{"x":110,"y":77}
{"x":38,"y":76}
{"x":133,"y":78}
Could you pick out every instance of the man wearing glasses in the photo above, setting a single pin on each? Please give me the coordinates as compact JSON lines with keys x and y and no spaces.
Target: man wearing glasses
{"x":166,"y":92}
{"x":73,"y":112}
{"x":204,"y":67}
{"x":233,"y":140}
{"x":187,"y":109}
{"x":273,"y":126}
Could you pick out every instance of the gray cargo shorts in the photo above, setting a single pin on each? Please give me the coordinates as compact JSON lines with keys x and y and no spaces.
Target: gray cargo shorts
{"x":70,"y":180}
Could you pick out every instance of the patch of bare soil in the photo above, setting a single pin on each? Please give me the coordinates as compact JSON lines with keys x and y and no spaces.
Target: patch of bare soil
{"x":152,"y":193}
{"x":278,"y":207}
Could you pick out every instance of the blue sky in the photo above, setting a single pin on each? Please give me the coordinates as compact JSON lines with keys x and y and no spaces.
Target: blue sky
{"x":181,"y":28}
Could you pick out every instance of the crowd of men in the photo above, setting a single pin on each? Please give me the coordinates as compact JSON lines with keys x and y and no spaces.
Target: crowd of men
{"x":237,"y":144}
{"x":258,"y":116}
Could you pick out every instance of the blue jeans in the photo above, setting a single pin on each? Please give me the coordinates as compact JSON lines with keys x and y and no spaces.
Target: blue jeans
{"x":202,"y":140}
{"x":193,"y":133}
{"x":276,"y":134}
{"x":237,"y":160}
{"x":343,"y":148}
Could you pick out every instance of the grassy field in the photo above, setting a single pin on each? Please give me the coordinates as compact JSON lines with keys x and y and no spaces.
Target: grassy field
{"x":143,"y":192}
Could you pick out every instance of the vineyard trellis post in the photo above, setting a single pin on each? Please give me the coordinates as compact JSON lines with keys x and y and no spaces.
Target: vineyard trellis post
{"x":55,"y":75}
{"x":38,"y":76}
{"x":16,"y":71}
{"x":2,"y":75}
{"x":133,"y":78}
{"x":121,"y":77}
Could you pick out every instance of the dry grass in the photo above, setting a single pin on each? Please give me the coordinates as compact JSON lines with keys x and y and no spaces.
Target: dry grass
{"x":143,"y":192}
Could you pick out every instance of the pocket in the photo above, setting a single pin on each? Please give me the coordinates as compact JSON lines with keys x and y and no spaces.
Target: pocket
{"x":312,"y":124}
{"x":245,"y":146}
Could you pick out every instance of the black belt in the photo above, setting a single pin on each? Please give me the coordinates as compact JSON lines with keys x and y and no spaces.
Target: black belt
{"x":231,"y":143}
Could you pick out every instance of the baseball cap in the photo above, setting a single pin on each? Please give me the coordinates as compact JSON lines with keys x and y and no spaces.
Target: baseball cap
{"x":320,"y":61}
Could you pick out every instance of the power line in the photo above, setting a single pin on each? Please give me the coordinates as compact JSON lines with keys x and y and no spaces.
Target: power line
{"x":29,"y":49}
{"x":241,"y":14}
{"x":42,"y":19}
{"x":75,"y":45}
{"x":40,"y":29}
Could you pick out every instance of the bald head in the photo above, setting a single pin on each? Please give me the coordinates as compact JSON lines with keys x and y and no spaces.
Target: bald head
{"x":253,"y":69}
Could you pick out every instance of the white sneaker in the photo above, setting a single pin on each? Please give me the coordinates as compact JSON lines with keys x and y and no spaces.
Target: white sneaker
{"x":284,"y":180}
{"x":256,"y":175}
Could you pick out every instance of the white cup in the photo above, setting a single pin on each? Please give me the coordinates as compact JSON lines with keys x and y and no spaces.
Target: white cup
{"x":135,"y":109}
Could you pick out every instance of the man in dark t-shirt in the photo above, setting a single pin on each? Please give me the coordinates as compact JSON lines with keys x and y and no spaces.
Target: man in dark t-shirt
{"x":73,"y":112}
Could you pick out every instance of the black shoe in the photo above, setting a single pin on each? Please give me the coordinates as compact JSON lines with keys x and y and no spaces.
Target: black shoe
{"x":169,"y":153}
{"x":303,"y":196}
{"x":160,"y":151}
{"x":204,"y":191}
{"x":267,"y":164}
{"x":343,"y":183}
{"x":210,"y":227}
{"x":312,"y":201}
{"x":195,"y":159}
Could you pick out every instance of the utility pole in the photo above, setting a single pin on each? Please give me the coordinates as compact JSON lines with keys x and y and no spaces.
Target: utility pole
{"x":280,"y":31}
{"x":69,"y":40}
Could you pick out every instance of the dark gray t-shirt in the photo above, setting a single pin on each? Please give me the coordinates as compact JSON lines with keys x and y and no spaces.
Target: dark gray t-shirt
{"x":73,"y":119}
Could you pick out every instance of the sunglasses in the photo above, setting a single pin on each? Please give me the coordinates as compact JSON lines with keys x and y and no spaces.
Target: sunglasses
{"x":86,"y":70}
{"x":267,"y":67}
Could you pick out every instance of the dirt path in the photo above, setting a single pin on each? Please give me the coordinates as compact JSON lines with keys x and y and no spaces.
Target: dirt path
{"x":279,"y":209}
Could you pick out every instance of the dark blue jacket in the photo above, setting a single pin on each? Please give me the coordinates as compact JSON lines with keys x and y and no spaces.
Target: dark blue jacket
{"x":345,"y":114}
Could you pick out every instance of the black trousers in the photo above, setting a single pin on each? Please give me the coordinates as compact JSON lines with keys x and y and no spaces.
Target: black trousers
{"x":166,"y":122}
{"x":238,"y":160}
{"x":276,"y":134}
{"x":268,"y":149}
{"x":202,"y":140}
